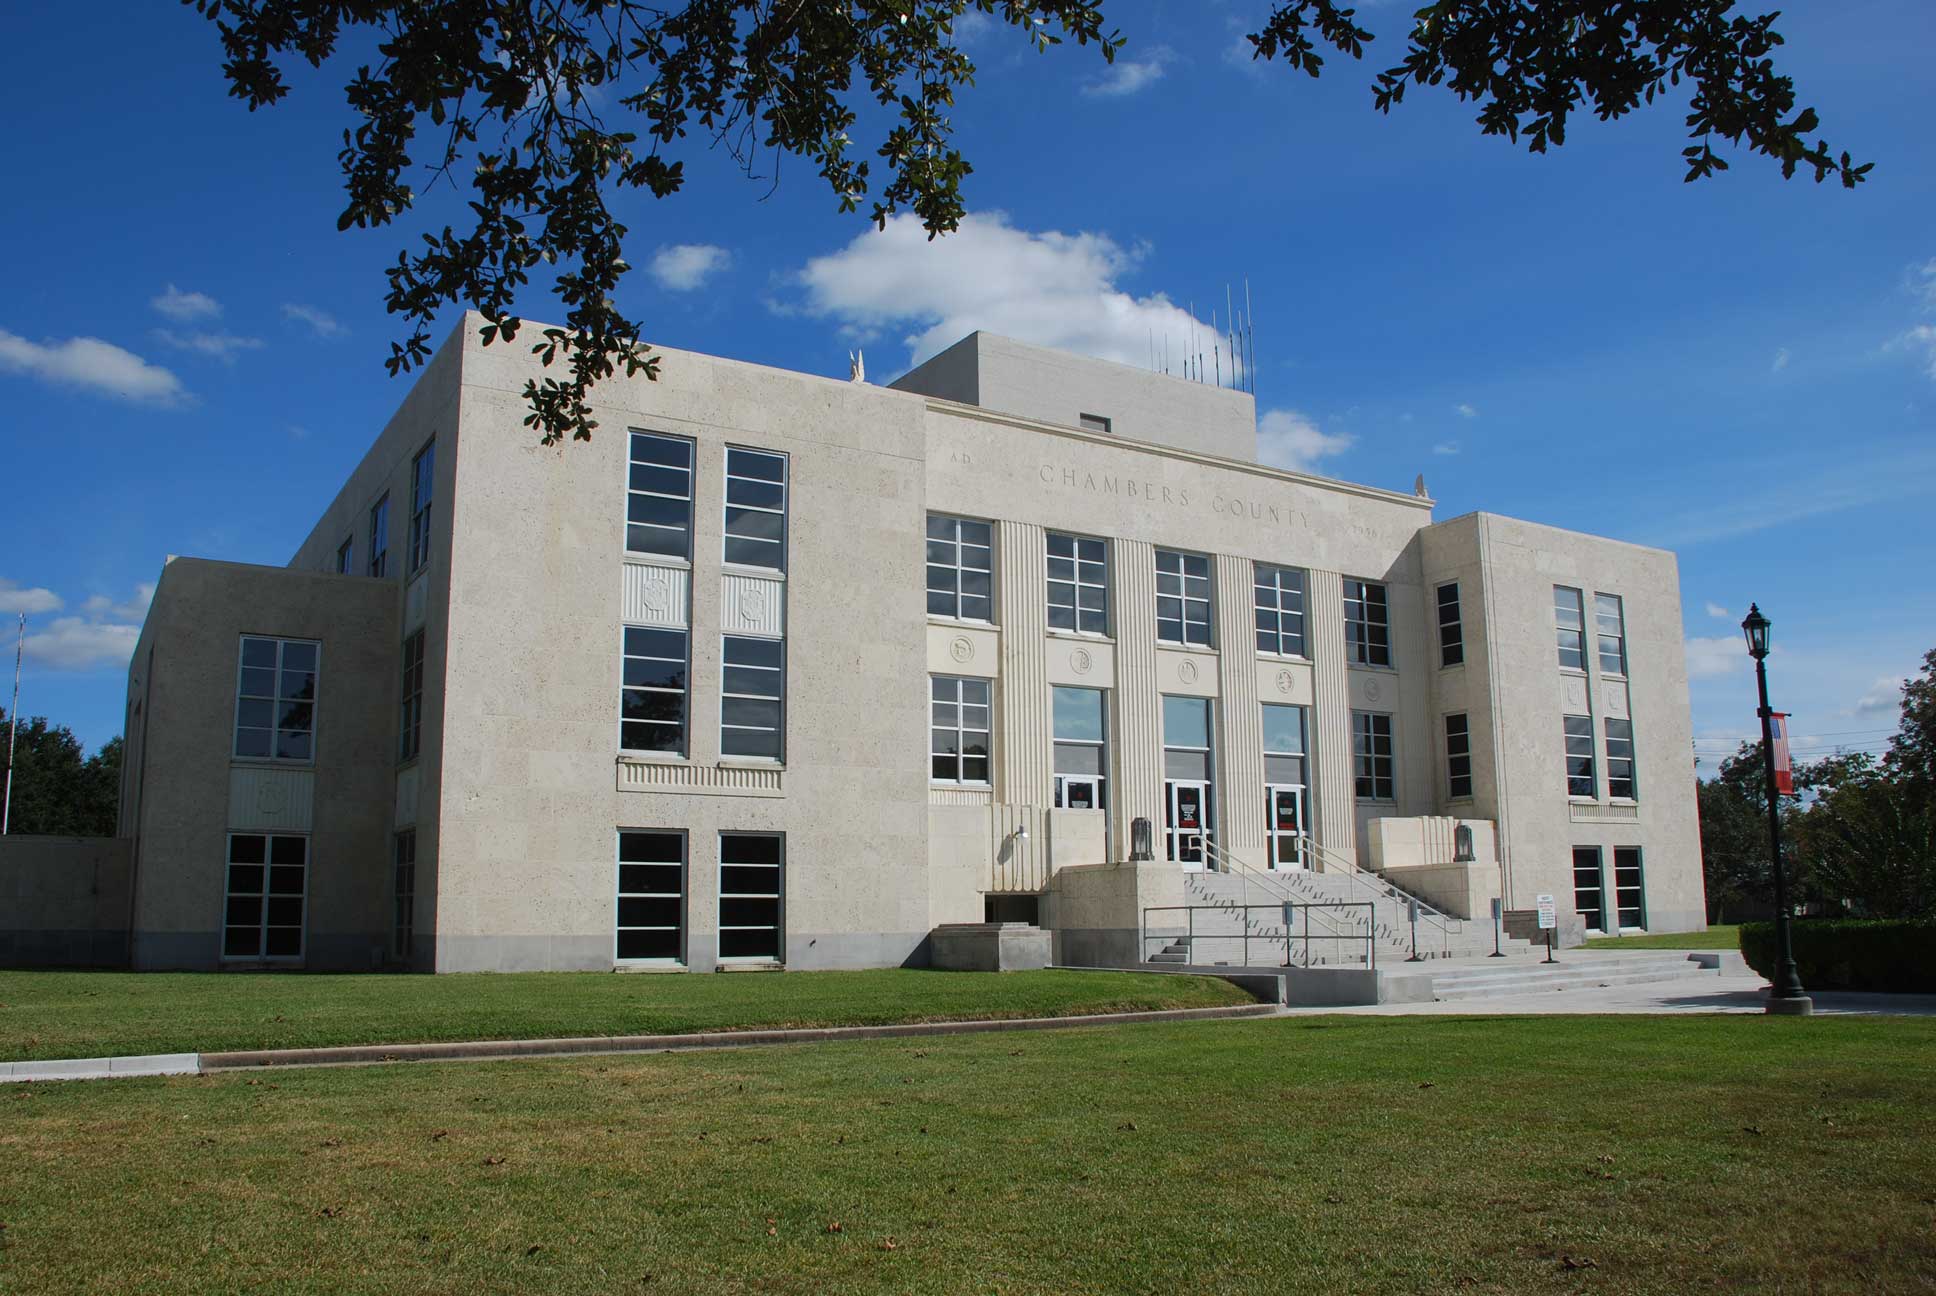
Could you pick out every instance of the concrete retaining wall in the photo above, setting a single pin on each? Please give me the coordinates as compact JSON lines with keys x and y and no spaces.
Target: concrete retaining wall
{"x":64,"y":901}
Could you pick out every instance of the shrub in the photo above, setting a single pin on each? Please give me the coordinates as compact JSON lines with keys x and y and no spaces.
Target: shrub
{"x":1849,"y":954}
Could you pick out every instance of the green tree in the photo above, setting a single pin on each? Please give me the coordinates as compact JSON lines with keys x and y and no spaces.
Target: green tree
{"x":1869,"y":838}
{"x":516,"y":97}
{"x":1733,"y":808}
{"x":57,"y":789}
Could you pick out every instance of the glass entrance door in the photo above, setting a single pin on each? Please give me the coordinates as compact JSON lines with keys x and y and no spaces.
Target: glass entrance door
{"x":1186,"y":821}
{"x":1078,"y":792}
{"x":1284,"y":825}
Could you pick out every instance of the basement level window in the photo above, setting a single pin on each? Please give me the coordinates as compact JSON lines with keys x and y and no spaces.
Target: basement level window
{"x":1092,"y":422}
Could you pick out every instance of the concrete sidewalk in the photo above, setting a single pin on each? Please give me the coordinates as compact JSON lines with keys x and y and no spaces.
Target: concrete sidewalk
{"x":1695,"y":994}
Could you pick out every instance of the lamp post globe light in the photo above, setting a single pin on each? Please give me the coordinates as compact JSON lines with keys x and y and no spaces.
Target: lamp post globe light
{"x":1786,"y":994}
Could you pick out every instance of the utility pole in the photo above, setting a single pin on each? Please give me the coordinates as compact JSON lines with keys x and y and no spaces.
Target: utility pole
{"x":13,"y":725}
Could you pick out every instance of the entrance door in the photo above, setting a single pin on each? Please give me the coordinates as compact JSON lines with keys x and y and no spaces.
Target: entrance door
{"x":1078,"y":792}
{"x":1284,"y":824}
{"x":1186,"y":821}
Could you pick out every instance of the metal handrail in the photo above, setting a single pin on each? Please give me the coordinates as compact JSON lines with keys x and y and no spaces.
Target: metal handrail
{"x":1379,"y":883}
{"x":1288,"y":936}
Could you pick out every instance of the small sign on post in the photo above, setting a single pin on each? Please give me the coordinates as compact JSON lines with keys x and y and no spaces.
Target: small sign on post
{"x":1498,"y":914}
{"x":1549,"y":921}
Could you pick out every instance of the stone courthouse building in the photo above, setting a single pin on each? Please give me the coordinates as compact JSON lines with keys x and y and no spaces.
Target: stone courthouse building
{"x":782,"y":670}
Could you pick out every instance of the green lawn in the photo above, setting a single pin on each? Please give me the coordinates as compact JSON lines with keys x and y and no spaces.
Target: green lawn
{"x":1714,"y":938}
{"x":1340,"y":1154}
{"x":102,"y":1014}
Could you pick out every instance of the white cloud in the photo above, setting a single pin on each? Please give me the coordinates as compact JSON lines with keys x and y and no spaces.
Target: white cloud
{"x":179,"y":305}
{"x":1127,"y":76}
{"x":219,"y":346}
{"x":91,"y":363}
{"x":15,"y":599}
{"x":1780,"y":361}
{"x":100,"y":606}
{"x":1920,"y":338}
{"x":321,"y":322}
{"x":1922,"y":282}
{"x":103,"y":635}
{"x":1465,"y":410}
{"x":1052,"y":289}
{"x":1446,"y":448}
{"x":1291,"y":440}
{"x":684,"y":267}
{"x":1718,"y":612}
{"x":1884,"y":698}
{"x":1712,"y":656}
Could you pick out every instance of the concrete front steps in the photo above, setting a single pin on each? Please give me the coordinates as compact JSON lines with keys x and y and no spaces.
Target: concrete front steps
{"x":1574,"y":970}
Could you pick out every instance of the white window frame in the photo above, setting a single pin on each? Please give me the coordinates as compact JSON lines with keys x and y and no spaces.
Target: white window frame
{"x":684,"y":747}
{"x":954,"y":525}
{"x":1618,"y":636}
{"x":1273,"y":835}
{"x":410,"y":708}
{"x":684,"y":866}
{"x":959,"y":689}
{"x":743,"y":482}
{"x":1614,"y":762}
{"x":1086,"y":573}
{"x":1458,"y":756}
{"x":1099,"y":781}
{"x":262,"y":924}
{"x":1175,"y":565}
{"x":380,"y":536}
{"x":633,"y":474}
{"x":275,"y":701}
{"x":1576,"y":731}
{"x":1598,"y":889}
{"x":1638,"y":888}
{"x":777,"y":895}
{"x":1367,"y":638}
{"x":1366,"y":756}
{"x":1452,"y":628}
{"x":779,"y":696}
{"x":346,"y":556}
{"x":1270,"y":577}
{"x":423,"y":493}
{"x":1570,"y":639}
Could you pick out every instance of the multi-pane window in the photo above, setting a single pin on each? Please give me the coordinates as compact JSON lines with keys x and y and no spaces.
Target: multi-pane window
{"x":266,"y":890}
{"x":1570,"y":627}
{"x":1189,"y":780}
{"x":1610,"y":623}
{"x":1629,"y":892}
{"x":1579,"y":756}
{"x":1588,"y":901}
{"x":756,"y":508}
{"x":1458,"y":757}
{"x":1093,"y":422}
{"x":346,"y":556}
{"x":961,"y":568}
{"x":651,"y":919}
{"x":658,"y":496}
{"x":1280,"y":609}
{"x":1078,"y":584}
{"x":652,"y":701}
{"x":1182,"y":598}
{"x":275,"y":699}
{"x":1367,"y":624}
{"x":410,"y":721}
{"x":752,"y":868}
{"x":405,"y":890}
{"x":1081,"y":749}
{"x":423,"y":475}
{"x":752,"y":703}
{"x":380,"y":537}
{"x":1371,"y":752}
{"x":1284,"y":784}
{"x":1451,"y":631}
{"x":1620,"y":759}
{"x":959,"y":730}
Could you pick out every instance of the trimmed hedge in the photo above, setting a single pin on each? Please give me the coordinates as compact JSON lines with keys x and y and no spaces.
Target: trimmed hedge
{"x":1850,"y":954}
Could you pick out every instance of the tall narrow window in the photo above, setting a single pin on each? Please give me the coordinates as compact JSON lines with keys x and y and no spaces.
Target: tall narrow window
{"x":1610,"y":623}
{"x":380,"y":537}
{"x":1078,"y":584}
{"x":405,"y":890}
{"x":1579,"y":757}
{"x":275,"y":699}
{"x":1620,"y":759}
{"x":1285,"y":783}
{"x":1182,"y":598}
{"x":1371,"y":749}
{"x":1189,"y":781}
{"x":752,"y":869}
{"x":756,"y":508}
{"x":752,"y":707}
{"x":423,"y":479}
{"x":651,"y":919}
{"x":410,"y":721}
{"x":1367,"y":624}
{"x":1081,"y":749}
{"x":1451,"y":631}
{"x":658,"y":496}
{"x":1588,"y":900}
{"x":652,"y":700}
{"x":961,"y":567}
{"x":1458,"y":757}
{"x":346,"y":556}
{"x":268,"y":887}
{"x":1280,"y":609}
{"x":1570,"y":627}
{"x":959,"y":730}
{"x":1629,"y":890}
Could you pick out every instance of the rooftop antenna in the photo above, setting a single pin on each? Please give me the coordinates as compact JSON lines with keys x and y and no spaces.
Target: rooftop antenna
{"x":1216,"y":349}
{"x":1230,"y":325}
{"x":13,"y":725}
{"x":1250,"y":328}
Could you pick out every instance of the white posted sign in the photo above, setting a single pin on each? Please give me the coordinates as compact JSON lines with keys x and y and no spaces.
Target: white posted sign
{"x":1549,"y":914}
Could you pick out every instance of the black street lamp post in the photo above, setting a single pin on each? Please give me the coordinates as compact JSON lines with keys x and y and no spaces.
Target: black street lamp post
{"x":1786,"y":994}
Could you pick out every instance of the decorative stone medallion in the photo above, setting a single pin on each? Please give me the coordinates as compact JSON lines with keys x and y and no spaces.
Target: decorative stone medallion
{"x":1286,"y":682}
{"x":1187,"y":671}
{"x":1081,"y":662}
{"x":753,"y":603}
{"x":962,"y":649}
{"x":271,"y":797}
{"x":1373,"y":690}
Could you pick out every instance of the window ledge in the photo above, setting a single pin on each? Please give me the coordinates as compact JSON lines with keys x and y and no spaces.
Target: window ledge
{"x":1574,"y":671}
{"x":1367,"y":666}
{"x":1292,"y":659}
{"x":657,"y":560}
{"x":961,"y":622}
{"x":272,"y":762}
{"x":748,"y":569}
{"x":750,"y":762}
{"x":629,"y":757}
{"x":938,"y":785}
{"x":1186,"y":647}
{"x":1084,"y":636}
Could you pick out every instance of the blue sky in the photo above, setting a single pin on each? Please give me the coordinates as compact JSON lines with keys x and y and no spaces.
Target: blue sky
{"x":1742,"y":369}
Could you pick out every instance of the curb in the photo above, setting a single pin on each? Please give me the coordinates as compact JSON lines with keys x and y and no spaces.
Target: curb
{"x":486,"y":1050}
{"x":102,"y":1068}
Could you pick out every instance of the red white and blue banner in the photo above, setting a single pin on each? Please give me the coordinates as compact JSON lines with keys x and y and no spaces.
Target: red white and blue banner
{"x":1784,"y":765}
